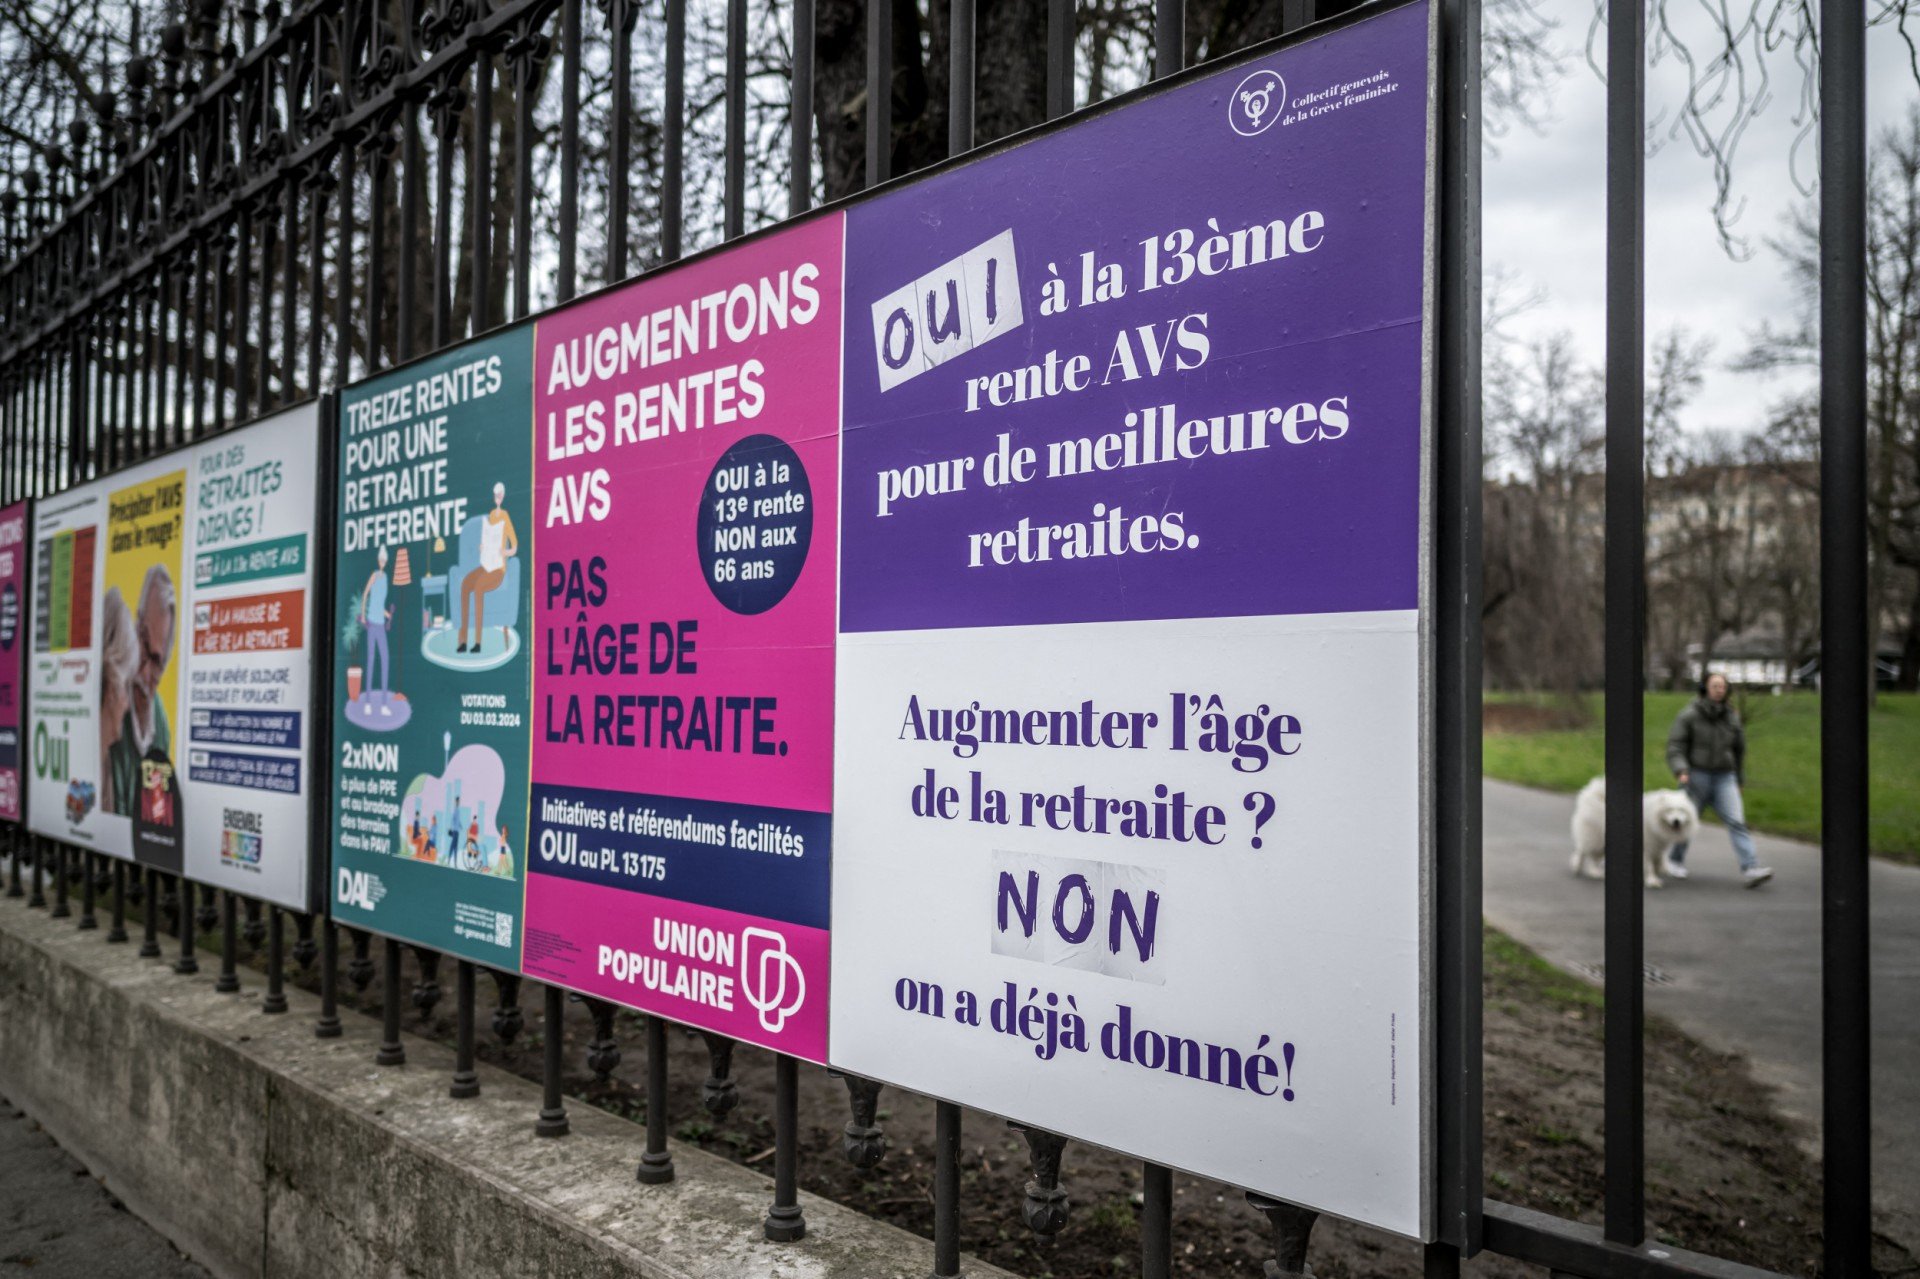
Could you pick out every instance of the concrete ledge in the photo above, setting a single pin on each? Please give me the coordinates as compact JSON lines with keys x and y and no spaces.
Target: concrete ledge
{"x":260,"y":1150}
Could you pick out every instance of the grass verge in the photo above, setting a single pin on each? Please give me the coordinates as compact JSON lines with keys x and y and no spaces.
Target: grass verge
{"x":1557,"y":745}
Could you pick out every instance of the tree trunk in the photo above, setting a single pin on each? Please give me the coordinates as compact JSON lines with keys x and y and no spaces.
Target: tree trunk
{"x":1010,"y":90}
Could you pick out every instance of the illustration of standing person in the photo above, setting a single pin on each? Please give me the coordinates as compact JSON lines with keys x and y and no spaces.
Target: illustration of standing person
{"x":471,"y":859}
{"x":503,"y":857}
{"x":378,"y":619}
{"x":497,"y":542}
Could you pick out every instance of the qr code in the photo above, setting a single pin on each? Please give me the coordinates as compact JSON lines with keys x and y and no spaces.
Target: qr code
{"x":502,"y":928}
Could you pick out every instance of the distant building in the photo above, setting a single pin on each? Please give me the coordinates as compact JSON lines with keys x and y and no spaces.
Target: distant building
{"x":1757,"y":658}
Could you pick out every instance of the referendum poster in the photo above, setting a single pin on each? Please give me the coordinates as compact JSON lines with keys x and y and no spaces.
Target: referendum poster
{"x":433,"y":565}
{"x":13,"y":621}
{"x":169,"y":667}
{"x":687,"y":473}
{"x":105,"y":677}
{"x":247,"y":704}
{"x":63,"y":676}
{"x":1129,"y":840}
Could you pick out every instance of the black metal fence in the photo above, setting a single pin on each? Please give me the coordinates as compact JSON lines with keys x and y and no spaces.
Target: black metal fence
{"x":289,"y":198}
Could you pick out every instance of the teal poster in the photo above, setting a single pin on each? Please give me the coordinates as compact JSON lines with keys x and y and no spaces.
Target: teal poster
{"x":432,"y":669}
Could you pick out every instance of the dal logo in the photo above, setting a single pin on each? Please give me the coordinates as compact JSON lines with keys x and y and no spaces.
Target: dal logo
{"x":360,"y":888}
{"x":1256,"y":104}
{"x":770,"y":977}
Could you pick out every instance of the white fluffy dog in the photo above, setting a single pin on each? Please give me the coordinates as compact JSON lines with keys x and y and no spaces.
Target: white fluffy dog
{"x":1667,"y":817}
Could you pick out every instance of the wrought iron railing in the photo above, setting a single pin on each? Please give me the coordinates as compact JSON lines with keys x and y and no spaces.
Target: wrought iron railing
{"x":228,"y":236}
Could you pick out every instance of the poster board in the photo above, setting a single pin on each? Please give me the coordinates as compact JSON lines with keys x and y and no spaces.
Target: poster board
{"x":1130,"y":838}
{"x":13,"y":647}
{"x":433,"y":567}
{"x":171,"y":611}
{"x":627,"y":789}
{"x":1075,"y":510}
{"x":683,"y":759}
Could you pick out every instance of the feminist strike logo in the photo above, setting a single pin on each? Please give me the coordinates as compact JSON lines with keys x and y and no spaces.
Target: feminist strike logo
{"x":770,"y":977}
{"x":1256,"y":103}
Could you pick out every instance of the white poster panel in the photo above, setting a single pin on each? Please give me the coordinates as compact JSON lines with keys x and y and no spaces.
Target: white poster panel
{"x":1130,"y":826}
{"x":63,"y":670}
{"x":1220,"y":973}
{"x":105,"y":666}
{"x":170,"y":670}
{"x":246,"y":780}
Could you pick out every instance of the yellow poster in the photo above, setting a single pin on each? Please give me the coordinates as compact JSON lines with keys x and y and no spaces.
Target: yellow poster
{"x":140,"y":661}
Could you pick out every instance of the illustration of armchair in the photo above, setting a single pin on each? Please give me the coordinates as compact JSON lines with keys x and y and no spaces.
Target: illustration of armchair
{"x":503,"y":601}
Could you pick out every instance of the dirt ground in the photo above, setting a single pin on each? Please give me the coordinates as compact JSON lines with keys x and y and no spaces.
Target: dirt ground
{"x":1725,"y":1174}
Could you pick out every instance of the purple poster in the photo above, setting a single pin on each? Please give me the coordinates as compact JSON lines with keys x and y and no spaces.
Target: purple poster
{"x":13,"y":585}
{"x":1033,"y":390}
{"x":1128,"y":824}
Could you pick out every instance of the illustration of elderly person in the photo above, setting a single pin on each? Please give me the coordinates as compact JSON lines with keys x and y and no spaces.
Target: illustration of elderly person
{"x":497,"y":542}
{"x":378,"y":619}
{"x":145,"y":726}
{"x":119,"y":655}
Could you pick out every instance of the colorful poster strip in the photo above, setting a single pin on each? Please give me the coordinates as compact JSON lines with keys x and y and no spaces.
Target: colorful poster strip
{"x":999,"y":601}
{"x":1129,"y":838}
{"x":13,"y":621}
{"x":168,"y":707}
{"x":433,"y":565}
{"x":104,"y":678}
{"x":688,"y":456}
{"x":248,"y":697}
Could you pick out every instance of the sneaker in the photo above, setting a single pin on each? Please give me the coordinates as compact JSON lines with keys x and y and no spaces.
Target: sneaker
{"x":1672,"y":867}
{"x":386,"y":710}
{"x":1756,"y":876}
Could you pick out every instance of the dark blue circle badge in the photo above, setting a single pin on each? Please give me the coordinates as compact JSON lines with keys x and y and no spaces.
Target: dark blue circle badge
{"x":755,"y":524}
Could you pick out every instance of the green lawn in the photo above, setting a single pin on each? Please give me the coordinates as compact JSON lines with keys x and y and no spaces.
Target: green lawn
{"x":1783,"y":758}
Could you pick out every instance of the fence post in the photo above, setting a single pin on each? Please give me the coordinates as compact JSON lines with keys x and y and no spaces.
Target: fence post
{"x":656,"y":1161}
{"x":1456,"y":593}
{"x":1625,"y":1105}
{"x":785,"y":1224}
{"x":1846,"y":646}
{"x":275,"y":1000}
{"x":391,"y":1051}
{"x":466,"y":1080}
{"x":553,"y":1033}
{"x":327,"y":1026}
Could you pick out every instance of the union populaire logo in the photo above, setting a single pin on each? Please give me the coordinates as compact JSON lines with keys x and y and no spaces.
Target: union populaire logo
{"x":770,"y":977}
{"x":1256,"y":103}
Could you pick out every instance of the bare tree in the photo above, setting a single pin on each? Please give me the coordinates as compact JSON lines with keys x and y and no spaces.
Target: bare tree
{"x":1893,"y":375}
{"x":1706,"y":573}
{"x":1542,"y":609}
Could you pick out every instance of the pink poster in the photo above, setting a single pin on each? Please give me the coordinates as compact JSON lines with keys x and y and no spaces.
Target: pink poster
{"x":686,"y":465}
{"x":13,"y":619}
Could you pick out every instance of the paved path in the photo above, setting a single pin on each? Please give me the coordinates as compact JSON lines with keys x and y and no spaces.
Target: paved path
{"x":58,"y":1222}
{"x":1737,"y":968}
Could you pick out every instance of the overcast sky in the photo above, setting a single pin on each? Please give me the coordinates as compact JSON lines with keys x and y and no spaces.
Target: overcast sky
{"x":1545,"y":213}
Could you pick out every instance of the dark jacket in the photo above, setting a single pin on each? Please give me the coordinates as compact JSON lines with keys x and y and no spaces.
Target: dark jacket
{"x":1707,"y":737}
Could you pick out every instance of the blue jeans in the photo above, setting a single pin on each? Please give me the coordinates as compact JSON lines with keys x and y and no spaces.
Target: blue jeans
{"x":378,"y":658}
{"x":1721,"y":792}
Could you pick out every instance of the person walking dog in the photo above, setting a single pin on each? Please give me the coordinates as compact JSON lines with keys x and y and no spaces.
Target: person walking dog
{"x":1707,"y":751}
